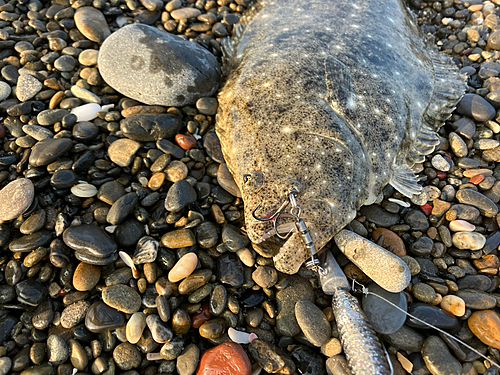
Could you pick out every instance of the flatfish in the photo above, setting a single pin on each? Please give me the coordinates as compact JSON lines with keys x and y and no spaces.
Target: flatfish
{"x":332,"y":98}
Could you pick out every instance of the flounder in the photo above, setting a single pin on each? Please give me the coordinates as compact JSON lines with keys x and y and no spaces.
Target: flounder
{"x":333,"y":98}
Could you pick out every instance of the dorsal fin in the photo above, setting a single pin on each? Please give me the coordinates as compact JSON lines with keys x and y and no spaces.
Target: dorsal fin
{"x":230,"y":44}
{"x":405,"y":181}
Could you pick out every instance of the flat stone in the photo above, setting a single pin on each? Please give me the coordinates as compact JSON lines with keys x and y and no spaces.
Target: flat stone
{"x":382,"y":218}
{"x":122,"y":298}
{"x":486,"y":326}
{"x":91,"y":23}
{"x":476,"y":107}
{"x":48,"y":150}
{"x":180,"y":194}
{"x":30,"y":242}
{"x":228,"y":358}
{"x":432,"y":315}
{"x":89,"y":239}
{"x":74,"y":314}
{"x":477,"y":300}
{"x":188,"y":360}
{"x":312,"y":322}
{"x":31,"y":292}
{"x":384,"y":317}
{"x":101,"y":317}
{"x":16,"y":198}
{"x":5,"y":90}
{"x":121,"y":208}
{"x":178,"y":238}
{"x":183,"y":71}
{"x":438,"y":358}
{"x":468,"y":240}
{"x":474,"y":198}
{"x":391,"y":241}
{"x":27,"y":87}
{"x":122,"y":151}
{"x":405,"y":339}
{"x":126,"y":356}
{"x":226,"y":180}
{"x":146,"y":127}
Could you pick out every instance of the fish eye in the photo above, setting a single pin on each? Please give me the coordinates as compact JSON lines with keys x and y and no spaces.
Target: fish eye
{"x":252,"y":180}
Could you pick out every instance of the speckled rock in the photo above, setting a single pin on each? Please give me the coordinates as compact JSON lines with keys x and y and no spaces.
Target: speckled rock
{"x":179,"y":64}
{"x":16,"y":197}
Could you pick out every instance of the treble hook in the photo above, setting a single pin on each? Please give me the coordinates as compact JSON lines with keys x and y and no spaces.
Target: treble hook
{"x":273,"y":217}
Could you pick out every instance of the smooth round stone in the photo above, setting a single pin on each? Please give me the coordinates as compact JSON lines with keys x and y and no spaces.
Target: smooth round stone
{"x":476,"y":107}
{"x":468,"y":240}
{"x":417,"y":220}
{"x":176,"y":171}
{"x":30,"y":242}
{"x":161,"y":334}
{"x":474,"y":198}
{"x":384,"y":317}
{"x":265,"y":277}
{"x":122,"y":298}
{"x":86,"y":112}
{"x":461,"y":226}
{"x":51,"y":116}
{"x":378,"y":215}
{"x":65,"y":63}
{"x":44,"y":314}
{"x":188,"y":360}
{"x":228,"y":358}
{"x":458,"y":145}
{"x":126,"y":356}
{"x":7,"y":293}
{"x":84,"y":190}
{"x":147,"y":127}
{"x":194,"y":281}
{"x":180,"y":194}
{"x":122,"y":207}
{"x":391,"y":241}
{"x":34,"y":223}
{"x":48,"y":150}
{"x":88,"y":57}
{"x":86,"y":277}
{"x":122,"y":151}
{"x":101,"y":317}
{"x":406,"y":339}
{"x":477,"y":300}
{"x":5,"y":364}
{"x":438,"y":358}
{"x":92,"y":24}
{"x":78,"y":355}
{"x":89,"y":239}
{"x":5,"y":90}
{"x":31,"y":292}
{"x":212,"y":329}
{"x":312,"y":322}
{"x":453,"y":304}
{"x":129,"y":232}
{"x":96,"y":261}
{"x":424,"y":292}
{"x":63,"y":179}
{"x":432,"y":315}
{"x":16,"y":198}
{"x":486,"y":326}
{"x":233,"y":239}
{"x":73,"y":314}
{"x":177,"y":239}
{"x":37,"y":132}
{"x":207,"y":106}
{"x":477,"y":282}
{"x":183,"y":268}
{"x":230,"y":270}
{"x":13,"y":272}
{"x":440,"y":163}
{"x":135,"y":327}
{"x":27,"y":87}
{"x":132,"y":49}
{"x":57,"y":350}
{"x":85,"y":131}
{"x":110,"y":191}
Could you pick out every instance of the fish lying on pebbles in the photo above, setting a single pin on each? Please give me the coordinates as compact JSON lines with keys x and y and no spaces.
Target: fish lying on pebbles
{"x":47,"y":292}
{"x":335,"y":107}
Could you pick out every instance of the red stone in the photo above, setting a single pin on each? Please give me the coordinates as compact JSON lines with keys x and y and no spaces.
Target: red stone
{"x":201,"y":316}
{"x":62,"y":292}
{"x":426,"y":208}
{"x":185,"y":141}
{"x":441,"y":175}
{"x":476,"y":179}
{"x":228,"y":358}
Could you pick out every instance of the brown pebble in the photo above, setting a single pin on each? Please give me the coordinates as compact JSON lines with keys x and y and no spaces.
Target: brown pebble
{"x":485,"y":325}
{"x":142,"y":109}
{"x":86,"y":277}
{"x":391,"y":241}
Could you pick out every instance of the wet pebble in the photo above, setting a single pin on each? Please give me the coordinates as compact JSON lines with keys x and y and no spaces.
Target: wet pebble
{"x":92,"y":24}
{"x":180,"y":194}
{"x":216,"y":360}
{"x":122,"y":298}
{"x":476,"y":107}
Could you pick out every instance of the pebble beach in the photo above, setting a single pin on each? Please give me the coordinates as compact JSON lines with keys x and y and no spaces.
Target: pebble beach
{"x":122,"y":240}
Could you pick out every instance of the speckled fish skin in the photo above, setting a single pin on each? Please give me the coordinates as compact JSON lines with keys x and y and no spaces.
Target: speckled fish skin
{"x":329,"y":97}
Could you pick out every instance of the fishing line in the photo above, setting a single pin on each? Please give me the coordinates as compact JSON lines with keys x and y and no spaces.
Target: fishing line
{"x":366,"y":292}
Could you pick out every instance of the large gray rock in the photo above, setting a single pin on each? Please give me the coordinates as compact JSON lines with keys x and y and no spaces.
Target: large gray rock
{"x":154,"y":67}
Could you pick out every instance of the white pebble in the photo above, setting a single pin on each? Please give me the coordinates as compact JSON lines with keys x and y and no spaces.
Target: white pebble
{"x":240,"y":337}
{"x":246,"y":257}
{"x":154,"y":357}
{"x":468,"y":240}
{"x":84,"y":190}
{"x":86,"y":112}
{"x":111,"y":228}
{"x":130,"y":263}
{"x":135,"y":327}
{"x":461,"y":226}
{"x":440,"y":163}
{"x":183,"y":268}
{"x":453,"y":304}
{"x":107,"y":107}
{"x":5,"y":90}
